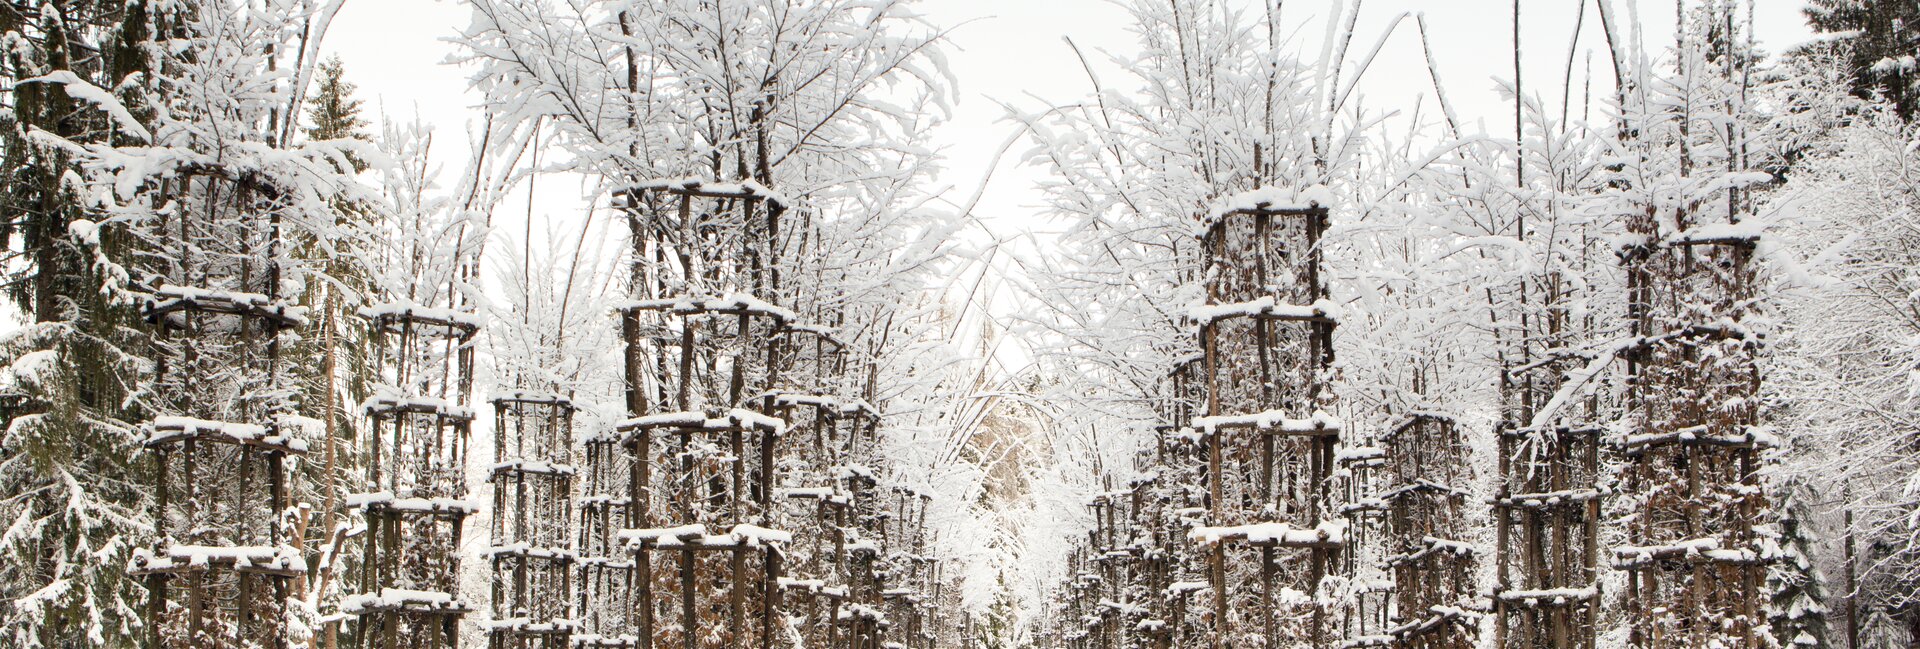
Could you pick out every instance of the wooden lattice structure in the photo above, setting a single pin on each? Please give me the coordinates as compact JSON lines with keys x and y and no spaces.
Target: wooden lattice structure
{"x":1547,"y":494}
{"x":692,"y":459}
{"x":1179,"y":502}
{"x":831,"y":441}
{"x":221,"y":573}
{"x":227,"y":552}
{"x":860,"y":618}
{"x":1692,"y":440}
{"x":1546,"y":513}
{"x":1116,"y":554}
{"x":750,"y":510}
{"x":1271,"y":533}
{"x":415,"y":455}
{"x":906,"y":573}
{"x":1433,"y":561}
{"x":697,"y":472}
{"x":1228,"y":537}
{"x":606,"y":571}
{"x":1361,"y":481}
{"x":532,"y":553}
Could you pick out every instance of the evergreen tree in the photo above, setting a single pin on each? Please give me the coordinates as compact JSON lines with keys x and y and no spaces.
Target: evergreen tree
{"x":1882,"y":38}
{"x":1797,"y":593}
{"x":1883,"y":630}
{"x":334,"y":111}
{"x":996,"y":629}
{"x":72,"y":505}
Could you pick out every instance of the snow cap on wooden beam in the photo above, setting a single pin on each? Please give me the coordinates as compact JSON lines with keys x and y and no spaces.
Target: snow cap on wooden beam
{"x":735,"y":303}
{"x":448,"y":323}
{"x":1700,"y":550}
{"x":1269,"y":200}
{"x":280,"y":559}
{"x":701,"y":187}
{"x":528,"y":397}
{"x":169,"y":429}
{"x":1272,"y":421}
{"x":835,"y":405}
{"x":525,"y":549}
{"x":733,"y":418}
{"x":389,"y":402}
{"x":169,"y":300}
{"x":1327,"y":533}
{"x":389,"y":599}
{"x":526,"y":626}
{"x":1321,"y":310}
{"x":385,"y":500}
{"x":532,"y":467}
{"x":1548,"y":596}
{"x":695,"y":536}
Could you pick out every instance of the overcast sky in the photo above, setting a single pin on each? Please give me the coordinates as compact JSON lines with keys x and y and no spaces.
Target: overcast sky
{"x":1015,"y":52}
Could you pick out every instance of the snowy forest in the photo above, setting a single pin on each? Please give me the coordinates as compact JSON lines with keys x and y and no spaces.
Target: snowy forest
{"x":695,"y":331}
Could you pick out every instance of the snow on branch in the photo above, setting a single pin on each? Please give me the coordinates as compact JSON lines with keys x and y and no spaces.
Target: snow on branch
{"x":823,"y":332}
{"x":1431,"y":546}
{"x":1420,"y":486}
{"x":78,"y":88}
{"x":1582,"y":380}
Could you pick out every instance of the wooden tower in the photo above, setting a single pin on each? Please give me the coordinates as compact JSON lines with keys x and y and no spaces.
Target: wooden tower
{"x":532,"y":554}
{"x":227,"y":553}
{"x":706,"y":562}
{"x":1433,"y":561}
{"x":751,"y":510}
{"x":415,"y":455}
{"x":1692,"y":438}
{"x":1267,"y":334}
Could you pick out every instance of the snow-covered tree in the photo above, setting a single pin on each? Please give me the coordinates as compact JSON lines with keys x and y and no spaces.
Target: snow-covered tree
{"x":995,"y":629}
{"x":1847,"y":379}
{"x":1879,"y":38}
{"x":1797,"y":605}
{"x":70,"y":487}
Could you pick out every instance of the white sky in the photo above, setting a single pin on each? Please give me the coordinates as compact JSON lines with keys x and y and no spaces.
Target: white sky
{"x":1014,"y":52}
